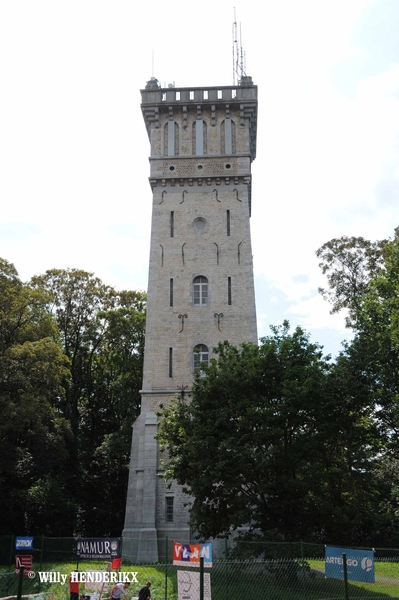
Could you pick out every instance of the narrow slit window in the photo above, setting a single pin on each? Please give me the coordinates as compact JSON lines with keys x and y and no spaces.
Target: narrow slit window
{"x":169,"y":502}
{"x":170,"y":362}
{"x":229,"y":290}
{"x":171,"y":291}
{"x":172,"y":224}
{"x":228,"y":221}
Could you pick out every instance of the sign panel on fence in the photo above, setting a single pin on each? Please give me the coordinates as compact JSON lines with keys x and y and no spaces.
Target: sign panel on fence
{"x":23,"y":560}
{"x":98,"y":548}
{"x":22,"y":542}
{"x":188,"y":555}
{"x":188,"y":585}
{"x":359,"y":563}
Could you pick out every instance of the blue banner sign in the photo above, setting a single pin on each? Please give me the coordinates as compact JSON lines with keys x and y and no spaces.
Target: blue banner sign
{"x":22,"y":542}
{"x":359,"y":564}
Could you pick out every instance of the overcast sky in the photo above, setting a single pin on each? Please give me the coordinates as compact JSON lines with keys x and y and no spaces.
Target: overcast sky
{"x":74,"y":168}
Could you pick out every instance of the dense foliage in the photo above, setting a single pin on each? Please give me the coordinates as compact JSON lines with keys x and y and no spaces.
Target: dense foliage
{"x":276,"y":439}
{"x":301,"y":447}
{"x":71,"y":353}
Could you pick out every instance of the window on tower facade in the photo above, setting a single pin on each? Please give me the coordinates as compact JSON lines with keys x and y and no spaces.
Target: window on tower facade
{"x":170,"y":362}
{"x":228,"y":136}
{"x":200,"y":291}
{"x":201,"y":355}
{"x":199,"y":137}
{"x":171,"y":138}
{"x":169,"y":509}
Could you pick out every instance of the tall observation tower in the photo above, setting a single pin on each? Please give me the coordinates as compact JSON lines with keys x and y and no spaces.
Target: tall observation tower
{"x":200,"y":289}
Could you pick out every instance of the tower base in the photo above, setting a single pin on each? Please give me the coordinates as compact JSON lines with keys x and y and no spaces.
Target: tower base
{"x":149,"y":545}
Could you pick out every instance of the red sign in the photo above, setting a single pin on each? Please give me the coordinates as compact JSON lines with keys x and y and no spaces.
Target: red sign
{"x":23,"y":560}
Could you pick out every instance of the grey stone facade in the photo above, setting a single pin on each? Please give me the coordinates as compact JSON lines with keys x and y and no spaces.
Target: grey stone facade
{"x":200,"y":288}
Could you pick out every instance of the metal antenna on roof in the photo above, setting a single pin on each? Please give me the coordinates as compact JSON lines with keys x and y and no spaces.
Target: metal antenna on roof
{"x":239,"y":67}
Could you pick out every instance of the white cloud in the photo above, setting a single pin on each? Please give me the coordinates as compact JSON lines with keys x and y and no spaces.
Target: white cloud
{"x":73,"y":146}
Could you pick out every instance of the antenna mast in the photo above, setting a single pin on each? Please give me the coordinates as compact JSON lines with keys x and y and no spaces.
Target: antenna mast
{"x":239,"y":66}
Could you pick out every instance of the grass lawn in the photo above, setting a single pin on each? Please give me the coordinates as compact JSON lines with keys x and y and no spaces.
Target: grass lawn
{"x":230,"y":581}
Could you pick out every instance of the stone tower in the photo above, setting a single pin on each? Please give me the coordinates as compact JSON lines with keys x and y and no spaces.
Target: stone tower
{"x":200,"y":288}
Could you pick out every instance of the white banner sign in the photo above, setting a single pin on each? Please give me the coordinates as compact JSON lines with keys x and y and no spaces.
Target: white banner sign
{"x":188,"y":585}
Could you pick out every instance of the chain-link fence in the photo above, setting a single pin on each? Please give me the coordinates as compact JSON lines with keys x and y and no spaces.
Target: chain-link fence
{"x":284,"y":579}
{"x":44,"y":550}
{"x":279,"y":571}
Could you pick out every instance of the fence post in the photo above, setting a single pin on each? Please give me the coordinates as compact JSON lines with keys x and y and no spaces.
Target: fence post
{"x":41,"y":552}
{"x":201,"y":578}
{"x":303,"y":567}
{"x":77,"y":555}
{"x":226,"y":569}
{"x":20,"y":580}
{"x":11,"y":549}
{"x":166,"y":567}
{"x":345,"y":576}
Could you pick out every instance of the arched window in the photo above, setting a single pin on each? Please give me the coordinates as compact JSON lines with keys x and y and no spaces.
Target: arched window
{"x":228,"y":136}
{"x":171,"y":139}
{"x":199,"y":137}
{"x":200,"y":355}
{"x":200,"y":291}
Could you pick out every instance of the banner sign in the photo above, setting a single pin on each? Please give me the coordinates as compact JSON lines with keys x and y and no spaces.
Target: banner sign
{"x":188,"y":555}
{"x":23,"y":560}
{"x":23,"y":542}
{"x":98,"y":548}
{"x":188,"y":585}
{"x":359,"y":563}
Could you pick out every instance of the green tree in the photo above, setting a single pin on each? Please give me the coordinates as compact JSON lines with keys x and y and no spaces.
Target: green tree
{"x":364,"y":277}
{"x":34,"y":436}
{"x":108,"y":413}
{"x":349,"y":263}
{"x":289,"y":455}
{"x":102,"y":333}
{"x":377,"y":329}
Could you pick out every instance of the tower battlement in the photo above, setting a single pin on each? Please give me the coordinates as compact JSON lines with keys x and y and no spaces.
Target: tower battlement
{"x":227,"y":93}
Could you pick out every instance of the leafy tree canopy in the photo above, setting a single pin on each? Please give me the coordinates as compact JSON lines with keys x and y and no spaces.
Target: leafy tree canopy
{"x":71,"y":351}
{"x":102,"y":332}
{"x":349,"y":263}
{"x":271,"y":438}
{"x":34,"y":436}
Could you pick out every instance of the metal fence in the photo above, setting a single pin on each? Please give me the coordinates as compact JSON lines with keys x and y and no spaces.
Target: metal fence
{"x":284,"y":579}
{"x":281,"y":571}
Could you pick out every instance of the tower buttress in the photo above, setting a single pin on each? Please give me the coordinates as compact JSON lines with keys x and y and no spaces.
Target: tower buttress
{"x":200,"y":287}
